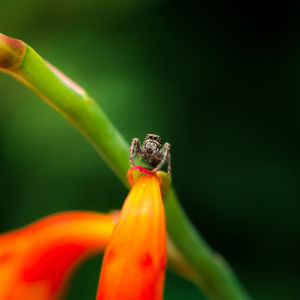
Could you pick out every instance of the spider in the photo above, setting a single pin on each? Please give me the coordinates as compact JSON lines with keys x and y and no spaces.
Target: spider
{"x":151,"y":151}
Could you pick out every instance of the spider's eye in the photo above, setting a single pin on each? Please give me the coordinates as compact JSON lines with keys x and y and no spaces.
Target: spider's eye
{"x":151,"y":136}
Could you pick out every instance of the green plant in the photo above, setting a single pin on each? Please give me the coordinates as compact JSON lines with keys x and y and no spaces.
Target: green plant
{"x":213,"y":275}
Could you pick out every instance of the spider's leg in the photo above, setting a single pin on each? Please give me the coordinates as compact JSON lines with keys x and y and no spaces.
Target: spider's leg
{"x":135,"y":148}
{"x":163,"y":153}
{"x":142,"y":154}
{"x":169,"y":164}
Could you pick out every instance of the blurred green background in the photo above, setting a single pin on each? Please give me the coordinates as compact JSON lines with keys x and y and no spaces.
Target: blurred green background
{"x":220,"y":81}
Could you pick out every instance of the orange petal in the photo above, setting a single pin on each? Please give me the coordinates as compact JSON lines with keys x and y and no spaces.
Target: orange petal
{"x":37,"y":260}
{"x":135,"y":258}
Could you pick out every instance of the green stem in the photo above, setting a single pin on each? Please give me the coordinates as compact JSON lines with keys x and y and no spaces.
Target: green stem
{"x":215,"y":276}
{"x":19,"y":60}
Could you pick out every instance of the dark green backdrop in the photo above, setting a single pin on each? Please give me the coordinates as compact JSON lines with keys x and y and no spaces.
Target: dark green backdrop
{"x":220,"y":82}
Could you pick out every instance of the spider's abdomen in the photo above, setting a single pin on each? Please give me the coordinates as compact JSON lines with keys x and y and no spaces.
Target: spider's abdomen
{"x":155,"y":161}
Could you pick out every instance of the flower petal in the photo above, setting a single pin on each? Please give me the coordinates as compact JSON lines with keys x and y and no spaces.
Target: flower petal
{"x":135,"y":258}
{"x":36,"y":261}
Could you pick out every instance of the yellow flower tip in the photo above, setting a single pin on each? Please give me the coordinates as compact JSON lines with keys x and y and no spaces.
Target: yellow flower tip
{"x":136,"y":172}
{"x":135,"y":259}
{"x":165,"y":182}
{"x":12,"y":52}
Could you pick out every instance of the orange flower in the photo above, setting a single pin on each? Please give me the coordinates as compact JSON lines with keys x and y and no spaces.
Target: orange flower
{"x":37,"y":260}
{"x":135,"y":259}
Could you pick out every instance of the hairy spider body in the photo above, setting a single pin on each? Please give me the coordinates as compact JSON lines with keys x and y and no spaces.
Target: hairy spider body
{"x":151,"y":151}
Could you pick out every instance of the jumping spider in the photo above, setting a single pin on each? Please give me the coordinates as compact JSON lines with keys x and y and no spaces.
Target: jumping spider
{"x":151,"y":151}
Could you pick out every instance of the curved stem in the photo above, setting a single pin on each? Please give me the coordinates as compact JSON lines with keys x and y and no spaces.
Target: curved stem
{"x":215,"y":276}
{"x":23,"y":63}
